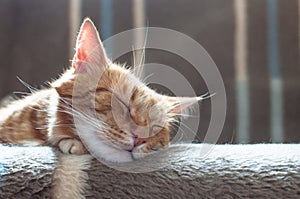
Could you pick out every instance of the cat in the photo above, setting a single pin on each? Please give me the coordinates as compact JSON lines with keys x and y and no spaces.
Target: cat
{"x":131,"y":120}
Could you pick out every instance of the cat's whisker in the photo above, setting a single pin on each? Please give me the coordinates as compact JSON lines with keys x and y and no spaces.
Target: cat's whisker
{"x":185,"y":115}
{"x":95,"y":124}
{"x":57,"y":112}
{"x":87,"y":118}
{"x":21,"y":93}
{"x":138,"y":67}
{"x":178,"y":124}
{"x":30,"y":88}
{"x":194,"y":133}
{"x":38,"y":110}
{"x":59,"y":125}
{"x":145,"y":79}
{"x":66,"y":100}
{"x":96,"y":127}
{"x":142,"y":61}
{"x":47,"y":83}
{"x":181,"y":134}
{"x":80,"y":115}
{"x":133,"y":55}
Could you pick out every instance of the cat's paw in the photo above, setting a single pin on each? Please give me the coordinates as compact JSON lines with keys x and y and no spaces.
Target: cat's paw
{"x":141,"y":151}
{"x":71,"y":146}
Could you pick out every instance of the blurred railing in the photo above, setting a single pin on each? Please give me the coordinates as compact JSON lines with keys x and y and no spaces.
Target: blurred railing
{"x":255,"y":45}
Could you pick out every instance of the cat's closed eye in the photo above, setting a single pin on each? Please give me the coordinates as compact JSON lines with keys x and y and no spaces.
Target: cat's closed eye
{"x":155,"y":129}
{"x":121,"y":110}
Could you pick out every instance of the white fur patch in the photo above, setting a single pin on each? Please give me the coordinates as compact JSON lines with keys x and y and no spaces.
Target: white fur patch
{"x":102,"y":150}
{"x":99,"y":148}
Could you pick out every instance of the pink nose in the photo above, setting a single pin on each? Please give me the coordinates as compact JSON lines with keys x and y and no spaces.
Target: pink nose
{"x":138,"y":141}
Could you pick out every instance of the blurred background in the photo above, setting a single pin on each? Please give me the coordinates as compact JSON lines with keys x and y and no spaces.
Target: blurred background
{"x":255,"y":45}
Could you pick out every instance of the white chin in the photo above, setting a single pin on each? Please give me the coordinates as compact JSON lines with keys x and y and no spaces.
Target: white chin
{"x":118,"y":156}
{"x":101,"y":150}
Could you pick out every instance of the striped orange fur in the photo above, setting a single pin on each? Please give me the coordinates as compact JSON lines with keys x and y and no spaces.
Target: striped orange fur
{"x":129,"y":116}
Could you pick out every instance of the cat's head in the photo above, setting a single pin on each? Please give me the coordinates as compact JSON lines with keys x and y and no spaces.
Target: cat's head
{"x":130,"y":112}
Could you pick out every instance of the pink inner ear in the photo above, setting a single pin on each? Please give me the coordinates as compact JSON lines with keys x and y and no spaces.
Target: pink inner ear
{"x":78,"y":61}
{"x":81,"y":55}
{"x":89,"y":48}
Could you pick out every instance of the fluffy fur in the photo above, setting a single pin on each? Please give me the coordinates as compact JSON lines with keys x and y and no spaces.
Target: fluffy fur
{"x":128,"y":118}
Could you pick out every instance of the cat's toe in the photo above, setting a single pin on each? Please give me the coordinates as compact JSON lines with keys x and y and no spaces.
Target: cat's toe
{"x":140,"y":152}
{"x":71,"y":146}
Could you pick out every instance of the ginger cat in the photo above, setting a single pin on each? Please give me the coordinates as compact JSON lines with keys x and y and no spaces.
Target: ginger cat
{"x":130,"y":118}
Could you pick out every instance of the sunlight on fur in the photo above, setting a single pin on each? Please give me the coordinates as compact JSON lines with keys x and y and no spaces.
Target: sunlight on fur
{"x":128,"y":119}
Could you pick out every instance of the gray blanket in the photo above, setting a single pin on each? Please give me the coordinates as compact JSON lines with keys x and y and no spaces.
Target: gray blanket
{"x":228,"y":171}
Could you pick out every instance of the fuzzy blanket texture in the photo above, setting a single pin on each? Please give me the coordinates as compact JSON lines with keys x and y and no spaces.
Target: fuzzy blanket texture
{"x":227,"y":171}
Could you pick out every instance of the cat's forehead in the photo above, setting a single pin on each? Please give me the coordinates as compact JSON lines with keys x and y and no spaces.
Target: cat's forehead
{"x":117,"y":76}
{"x":123,"y":82}
{"x":132,"y":91}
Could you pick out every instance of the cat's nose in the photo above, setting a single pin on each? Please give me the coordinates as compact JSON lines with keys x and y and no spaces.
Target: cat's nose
{"x":135,"y":136}
{"x":138,"y":141}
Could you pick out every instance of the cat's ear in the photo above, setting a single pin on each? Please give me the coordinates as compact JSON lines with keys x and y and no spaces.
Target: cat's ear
{"x":180,"y":104}
{"x":89,"y":48}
